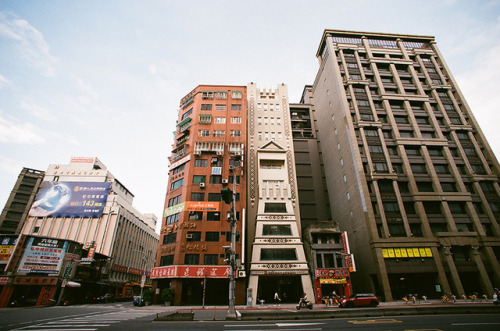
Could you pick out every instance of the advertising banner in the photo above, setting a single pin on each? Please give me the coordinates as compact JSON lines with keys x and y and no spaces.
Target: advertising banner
{"x":202,"y":206}
{"x":191,"y":272}
{"x":43,"y":255}
{"x":6,"y":248}
{"x":70,"y":199}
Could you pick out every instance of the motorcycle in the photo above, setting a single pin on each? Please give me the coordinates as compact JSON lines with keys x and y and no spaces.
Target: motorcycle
{"x":304,"y":304}
{"x":495,"y":299}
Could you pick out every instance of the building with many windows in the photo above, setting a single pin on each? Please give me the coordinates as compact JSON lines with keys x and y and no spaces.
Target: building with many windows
{"x":19,"y":202}
{"x":410,"y":175}
{"x":206,"y":158}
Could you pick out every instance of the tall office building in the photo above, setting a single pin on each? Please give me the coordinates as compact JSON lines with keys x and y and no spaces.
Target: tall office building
{"x":21,"y":197}
{"x":195,"y":233}
{"x":277,"y":262}
{"x":409,"y":173}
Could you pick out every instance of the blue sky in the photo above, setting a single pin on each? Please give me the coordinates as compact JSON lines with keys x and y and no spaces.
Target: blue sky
{"x":104,"y":78}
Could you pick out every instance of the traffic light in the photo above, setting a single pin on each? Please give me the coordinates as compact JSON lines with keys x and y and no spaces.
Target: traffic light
{"x":227,"y":195}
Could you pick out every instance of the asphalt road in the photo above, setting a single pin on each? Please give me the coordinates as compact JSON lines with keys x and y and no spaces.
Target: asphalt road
{"x":124,"y":316}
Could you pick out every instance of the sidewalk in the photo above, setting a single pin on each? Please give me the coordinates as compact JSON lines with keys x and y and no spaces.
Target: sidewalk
{"x":289,"y":311}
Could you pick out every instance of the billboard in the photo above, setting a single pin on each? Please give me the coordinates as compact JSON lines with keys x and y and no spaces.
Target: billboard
{"x":7,"y":245}
{"x":70,"y":199}
{"x":43,"y":256}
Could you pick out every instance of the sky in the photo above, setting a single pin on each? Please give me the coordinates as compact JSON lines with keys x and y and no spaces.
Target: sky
{"x":104,"y":78}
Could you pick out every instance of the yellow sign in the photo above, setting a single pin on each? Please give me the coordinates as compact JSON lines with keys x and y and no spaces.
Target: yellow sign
{"x":332,"y":281}
{"x":389,"y":253}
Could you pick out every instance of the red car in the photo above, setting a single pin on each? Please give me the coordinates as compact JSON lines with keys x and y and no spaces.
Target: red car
{"x":359,"y":300}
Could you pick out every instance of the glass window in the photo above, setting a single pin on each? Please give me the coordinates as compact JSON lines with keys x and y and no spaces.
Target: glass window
{"x":442,"y":168}
{"x":432,"y":207}
{"x":195,"y":215}
{"x":236,"y":107}
{"x":276,"y":230}
{"x":169,"y":238}
{"x":449,"y":187}
{"x":195,"y":196}
{"x":283,"y":254}
{"x":425,"y":187}
{"x":166,"y":260}
{"x":193,"y":236}
{"x":210,"y":259}
{"x":176,"y":184}
{"x":192,"y":259}
{"x":213,"y":216}
{"x":198,"y":179}
{"x":457,"y":207}
{"x":200,"y":163}
{"x":214,"y":197}
{"x":206,"y":106}
{"x":215,"y":179}
{"x":275,"y":208}
{"x":380,"y":167}
{"x":211,"y":236}
{"x":418,"y":168}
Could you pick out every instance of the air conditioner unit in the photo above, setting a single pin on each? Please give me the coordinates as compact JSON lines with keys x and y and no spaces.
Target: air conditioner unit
{"x":189,"y":236}
{"x":242,"y":273}
{"x":225,"y":181}
{"x":202,"y":185}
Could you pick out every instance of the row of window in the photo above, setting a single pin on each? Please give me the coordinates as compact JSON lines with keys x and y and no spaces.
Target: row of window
{"x":207,"y":119}
{"x":218,"y":133}
{"x":223,"y":107}
{"x":221,"y":95}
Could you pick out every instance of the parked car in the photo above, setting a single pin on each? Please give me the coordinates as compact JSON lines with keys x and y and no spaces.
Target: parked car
{"x":360,"y":300}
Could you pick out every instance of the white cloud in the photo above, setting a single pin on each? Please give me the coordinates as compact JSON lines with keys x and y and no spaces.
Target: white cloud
{"x":20,"y":133}
{"x":9,"y":166}
{"x":3,"y":81}
{"x":29,"y":41}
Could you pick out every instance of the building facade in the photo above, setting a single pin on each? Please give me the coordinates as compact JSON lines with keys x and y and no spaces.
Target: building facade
{"x":84,"y":203}
{"x":276,"y":261}
{"x":19,"y":202}
{"x":206,"y":158}
{"x":410,"y":175}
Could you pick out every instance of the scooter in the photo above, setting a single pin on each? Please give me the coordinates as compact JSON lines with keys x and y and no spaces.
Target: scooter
{"x":304,"y":304}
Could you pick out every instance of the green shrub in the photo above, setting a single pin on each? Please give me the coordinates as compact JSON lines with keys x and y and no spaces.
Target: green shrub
{"x":167,"y":295}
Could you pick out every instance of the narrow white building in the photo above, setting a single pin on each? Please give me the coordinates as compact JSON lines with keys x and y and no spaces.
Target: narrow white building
{"x":277,"y":262}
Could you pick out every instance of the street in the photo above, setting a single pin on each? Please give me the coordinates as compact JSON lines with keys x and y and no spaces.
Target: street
{"x":124,"y":316}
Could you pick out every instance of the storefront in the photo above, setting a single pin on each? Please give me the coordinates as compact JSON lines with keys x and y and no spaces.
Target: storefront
{"x":328,"y":281}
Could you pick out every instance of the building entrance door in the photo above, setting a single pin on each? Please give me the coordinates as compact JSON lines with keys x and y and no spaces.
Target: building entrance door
{"x":289,"y":288}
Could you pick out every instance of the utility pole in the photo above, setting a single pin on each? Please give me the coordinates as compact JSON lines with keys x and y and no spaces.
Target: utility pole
{"x":231,"y":314}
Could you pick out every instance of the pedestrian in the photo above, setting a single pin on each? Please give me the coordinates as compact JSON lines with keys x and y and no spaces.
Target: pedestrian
{"x":276,"y":298}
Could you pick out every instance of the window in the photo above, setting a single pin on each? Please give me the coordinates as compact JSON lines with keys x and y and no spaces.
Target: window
{"x":380,"y":167}
{"x":432,"y":207}
{"x":392,"y":150}
{"x":487,"y":187}
{"x":428,"y":135}
{"x":177,"y":169}
{"x":221,"y":107}
{"x":363,"y":103}
{"x":385,"y":186}
{"x":195,"y":215}
{"x":176,"y":184}
{"x":376,"y":149}
{"x":169,"y":238}
{"x":211,"y":236}
{"x":422,"y":120}
{"x":215,"y":179}
{"x":449,"y":187}
{"x":470,"y":151}
{"x":186,"y":114}
{"x":409,"y":208}
{"x":401,"y":119}
{"x":235,"y":120}
{"x":236,"y":107}
{"x":205,"y":119}
{"x":205,"y":106}
{"x":425,"y":187}
{"x":283,"y":254}
{"x":214,"y":197}
{"x":175,"y":200}
{"x":193,"y":236}
{"x":222,"y":95}
{"x":435,"y":151}
{"x":418,"y":168}
{"x":219,"y":133}
{"x":412,"y":151}
{"x":236,"y":94}
{"x":213,"y":216}
{"x":478,"y":169}
{"x":198,"y":179}
{"x":275,"y":208}
{"x":219,"y":120}
{"x":438,"y":227}
{"x":442,"y":169}
{"x":371,"y":133}
{"x":235,"y":133}
{"x":195,"y":196}
{"x":166,"y":260}
{"x":398,"y":168}
{"x":367,"y":117}
{"x":210,"y":259}
{"x":200,"y":163}
{"x":406,"y":134}
{"x":207,"y":95}
{"x":391,"y":207}
{"x":172,"y":219}
{"x":192,"y":259}
{"x":396,"y":230}
{"x":403,"y":187}
{"x":276,"y":230}
{"x":272,"y":164}
{"x":457,"y":207}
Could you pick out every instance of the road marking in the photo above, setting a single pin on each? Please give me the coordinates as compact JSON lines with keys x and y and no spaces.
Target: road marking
{"x":379,"y":321}
{"x":492,"y":323}
{"x":296,"y":324}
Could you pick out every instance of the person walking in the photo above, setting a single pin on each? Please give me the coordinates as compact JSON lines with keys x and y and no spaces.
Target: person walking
{"x":277,"y":299}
